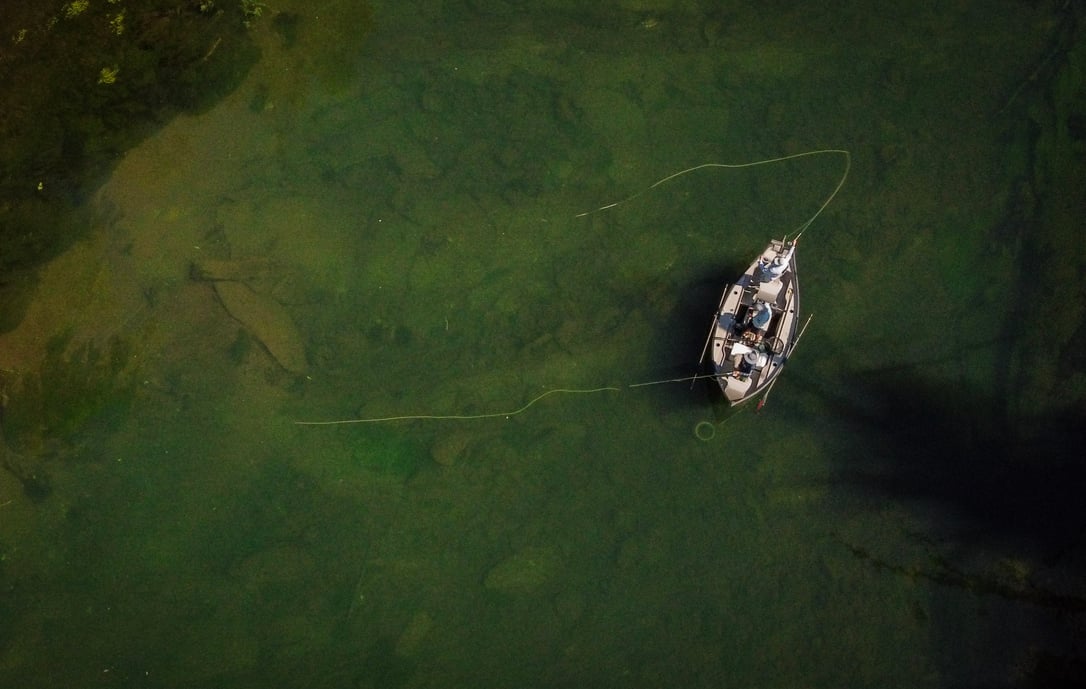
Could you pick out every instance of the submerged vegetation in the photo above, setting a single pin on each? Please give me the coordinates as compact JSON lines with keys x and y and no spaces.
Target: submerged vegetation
{"x":418,"y":196}
{"x":81,"y":391}
{"x":79,"y":384}
{"x":84,"y":81}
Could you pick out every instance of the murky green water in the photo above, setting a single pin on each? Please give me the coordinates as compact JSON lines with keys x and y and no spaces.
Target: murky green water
{"x":417,"y":180}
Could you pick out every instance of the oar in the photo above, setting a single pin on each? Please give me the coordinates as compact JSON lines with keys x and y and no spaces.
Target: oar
{"x":761,"y":402}
{"x":712,"y":331}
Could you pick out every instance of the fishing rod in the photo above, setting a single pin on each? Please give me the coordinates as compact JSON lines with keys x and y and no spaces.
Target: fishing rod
{"x":844,"y":175}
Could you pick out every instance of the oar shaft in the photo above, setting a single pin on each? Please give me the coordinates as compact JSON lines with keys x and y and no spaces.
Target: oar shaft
{"x":761,"y":402}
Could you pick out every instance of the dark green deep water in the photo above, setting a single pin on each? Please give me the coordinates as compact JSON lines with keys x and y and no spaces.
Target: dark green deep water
{"x":905,"y":512}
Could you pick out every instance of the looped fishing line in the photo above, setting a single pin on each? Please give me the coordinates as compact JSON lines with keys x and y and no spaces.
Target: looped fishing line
{"x":706,"y":430}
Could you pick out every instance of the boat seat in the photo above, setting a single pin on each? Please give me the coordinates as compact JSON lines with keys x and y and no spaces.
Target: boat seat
{"x":768,"y":291}
{"x":726,"y":321}
{"x":737,"y":388}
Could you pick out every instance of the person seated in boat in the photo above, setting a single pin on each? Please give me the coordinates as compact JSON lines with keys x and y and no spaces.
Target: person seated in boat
{"x":744,"y":365}
{"x":757,"y":321}
{"x":768,"y":271}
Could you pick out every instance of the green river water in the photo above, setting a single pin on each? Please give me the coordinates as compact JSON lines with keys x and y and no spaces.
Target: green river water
{"x":409,"y":176}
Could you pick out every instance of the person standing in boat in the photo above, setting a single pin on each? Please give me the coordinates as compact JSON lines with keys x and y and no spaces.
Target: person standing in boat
{"x":768,"y":271}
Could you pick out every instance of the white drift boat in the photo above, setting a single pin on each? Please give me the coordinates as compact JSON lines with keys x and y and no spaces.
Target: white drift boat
{"x":756,"y":324}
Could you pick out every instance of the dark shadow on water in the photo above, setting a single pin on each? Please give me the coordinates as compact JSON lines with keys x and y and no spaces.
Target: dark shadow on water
{"x":991,"y":498}
{"x":681,"y":340}
{"x":951,"y":448}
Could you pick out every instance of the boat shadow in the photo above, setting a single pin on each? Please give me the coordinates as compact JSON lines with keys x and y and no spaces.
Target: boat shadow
{"x":685,"y":383}
{"x":1000,"y":503}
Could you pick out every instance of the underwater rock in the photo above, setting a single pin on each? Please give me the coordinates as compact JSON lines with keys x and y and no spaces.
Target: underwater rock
{"x":36,"y":484}
{"x":278,"y":565}
{"x":242,"y":270}
{"x":412,"y":636}
{"x":412,"y":159}
{"x":525,"y":571}
{"x":450,"y":448}
{"x":268,"y":321}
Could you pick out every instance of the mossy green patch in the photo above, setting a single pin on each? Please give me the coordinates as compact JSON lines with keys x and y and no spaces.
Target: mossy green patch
{"x":390,"y":451}
{"x":240,"y":347}
{"x":79,"y":383}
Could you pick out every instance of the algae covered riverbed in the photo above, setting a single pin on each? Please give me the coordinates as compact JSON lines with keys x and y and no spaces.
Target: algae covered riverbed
{"x":396,"y":190}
